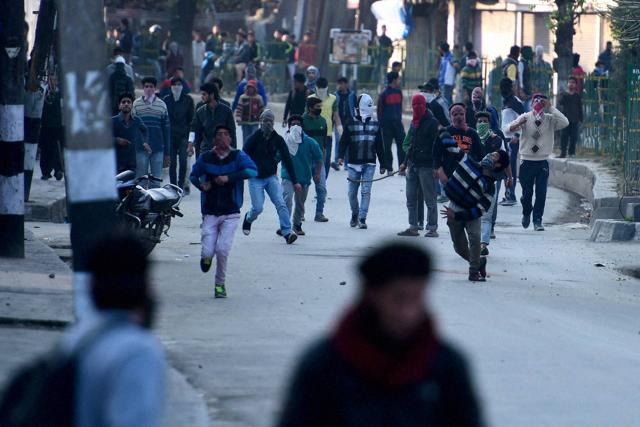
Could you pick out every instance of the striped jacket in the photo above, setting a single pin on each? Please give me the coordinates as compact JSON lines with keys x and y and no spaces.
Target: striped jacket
{"x":156,"y":118}
{"x":470,"y":190}
{"x":363,"y":142}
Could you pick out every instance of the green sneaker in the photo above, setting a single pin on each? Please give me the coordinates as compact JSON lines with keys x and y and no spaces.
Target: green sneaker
{"x":220,"y":291}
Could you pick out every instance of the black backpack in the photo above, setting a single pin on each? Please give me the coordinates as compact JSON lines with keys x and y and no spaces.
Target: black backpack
{"x":42,"y":394}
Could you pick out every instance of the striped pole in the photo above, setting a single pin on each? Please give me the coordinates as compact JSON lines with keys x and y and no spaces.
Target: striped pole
{"x":12,"y":63}
{"x":89,"y":155}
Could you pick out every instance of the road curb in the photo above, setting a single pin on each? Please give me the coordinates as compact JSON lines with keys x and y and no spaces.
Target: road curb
{"x":614,"y":231}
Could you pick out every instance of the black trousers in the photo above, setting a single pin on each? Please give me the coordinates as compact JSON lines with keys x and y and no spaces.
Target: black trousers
{"x":51,"y":144}
{"x":569,"y":139}
{"x":178,"y":160}
{"x":392,"y":130}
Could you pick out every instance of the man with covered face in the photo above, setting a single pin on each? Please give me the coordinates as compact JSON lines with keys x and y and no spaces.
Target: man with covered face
{"x":478,"y":104}
{"x":315,"y":126}
{"x":267,"y":148}
{"x":362,"y":139}
{"x":181,"y":110}
{"x":536,"y":129}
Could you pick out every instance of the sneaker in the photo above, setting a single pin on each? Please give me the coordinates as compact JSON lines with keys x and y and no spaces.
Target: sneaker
{"x":442,"y":199}
{"x":431,"y":233}
{"x":298,"y":230}
{"x":58,"y":175}
{"x":537,"y":226}
{"x":279,"y":232}
{"x":220,"y":291}
{"x":290,"y":238}
{"x":354,"y":221}
{"x":493,"y":234}
{"x":335,"y":166}
{"x":362,"y":223}
{"x":321,"y":218}
{"x":302,"y":219}
{"x":205,"y":264}
{"x":477,"y":277}
{"x":409,"y":232}
{"x":526,"y":221}
{"x":507,"y":202}
{"x":484,"y":250}
{"x":45,"y":177}
{"x":246,"y":226}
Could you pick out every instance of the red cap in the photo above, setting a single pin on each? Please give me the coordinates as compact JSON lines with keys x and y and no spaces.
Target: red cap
{"x":252,"y":83}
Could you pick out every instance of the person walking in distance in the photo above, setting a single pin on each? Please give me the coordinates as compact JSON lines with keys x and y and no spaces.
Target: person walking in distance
{"x":181,"y":109}
{"x":248,"y":111}
{"x":267,"y":148}
{"x":297,"y":99}
{"x":447,"y":72}
{"x":390,"y":118}
{"x":385,"y":363}
{"x":421,"y":177}
{"x":307,"y":161}
{"x":541,"y":73}
{"x":51,"y":139}
{"x":330,"y":115}
{"x":470,"y":190}
{"x":155,"y":155}
{"x":436,"y":103}
{"x":128,"y":133}
{"x":512,"y":108}
{"x":491,"y":142}
{"x":314,"y":125}
{"x":570,"y":103}
{"x":208,"y":116}
{"x":362,"y":142}
{"x":219,"y":174}
{"x":346,"y":110}
{"x":537,"y":129}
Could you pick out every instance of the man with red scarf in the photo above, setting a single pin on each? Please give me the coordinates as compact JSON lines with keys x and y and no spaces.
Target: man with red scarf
{"x":385,"y":364}
{"x":421,"y":177}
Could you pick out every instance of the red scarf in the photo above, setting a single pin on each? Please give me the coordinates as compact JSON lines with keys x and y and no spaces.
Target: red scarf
{"x":391,"y":369}
{"x":419,"y":107}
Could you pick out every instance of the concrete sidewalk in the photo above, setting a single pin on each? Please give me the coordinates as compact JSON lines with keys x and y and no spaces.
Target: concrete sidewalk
{"x":36,"y":304}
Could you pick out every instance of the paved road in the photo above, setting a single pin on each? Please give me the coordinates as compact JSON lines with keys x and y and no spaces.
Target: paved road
{"x":554,"y":340}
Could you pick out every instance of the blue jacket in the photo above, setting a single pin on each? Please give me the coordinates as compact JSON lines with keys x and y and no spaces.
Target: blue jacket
{"x":222,"y":199}
{"x":443,"y":68}
{"x":240,"y":91}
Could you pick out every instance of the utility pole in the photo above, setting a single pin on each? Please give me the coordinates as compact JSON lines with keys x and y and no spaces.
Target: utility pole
{"x":12,"y":63}
{"x":89,"y":154}
{"x":34,"y":98}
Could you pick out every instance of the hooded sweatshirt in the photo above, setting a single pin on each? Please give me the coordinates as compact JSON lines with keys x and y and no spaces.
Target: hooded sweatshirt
{"x":311,"y":84}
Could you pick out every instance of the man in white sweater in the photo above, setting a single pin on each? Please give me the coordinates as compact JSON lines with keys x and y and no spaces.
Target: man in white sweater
{"x":537,"y":129}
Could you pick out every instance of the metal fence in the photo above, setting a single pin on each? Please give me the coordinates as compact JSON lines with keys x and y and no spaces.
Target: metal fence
{"x":631,"y":140}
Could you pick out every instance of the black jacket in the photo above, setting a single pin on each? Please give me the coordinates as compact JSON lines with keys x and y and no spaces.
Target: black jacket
{"x":181,"y":114}
{"x":363,"y":141}
{"x":205,"y":122}
{"x":438,"y":113}
{"x":421,"y":150}
{"x":328,"y":391}
{"x":296,"y":103}
{"x":267,"y":153}
{"x":446,"y":156}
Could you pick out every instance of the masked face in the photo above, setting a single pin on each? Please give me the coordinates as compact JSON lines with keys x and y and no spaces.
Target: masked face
{"x":458,"y":116}
{"x":296,"y":133}
{"x":484,"y":130}
{"x":429,"y":96}
{"x":478,"y":104}
{"x":176,"y":91}
{"x":266,"y":125}
{"x":365,"y":107}
{"x":538,"y":105}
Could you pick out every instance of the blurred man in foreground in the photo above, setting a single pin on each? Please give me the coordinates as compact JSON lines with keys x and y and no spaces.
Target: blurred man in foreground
{"x":385,"y":363}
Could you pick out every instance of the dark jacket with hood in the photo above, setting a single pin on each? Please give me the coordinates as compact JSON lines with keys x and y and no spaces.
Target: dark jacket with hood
{"x":181,"y":114}
{"x":420,"y":153}
{"x":358,"y":378}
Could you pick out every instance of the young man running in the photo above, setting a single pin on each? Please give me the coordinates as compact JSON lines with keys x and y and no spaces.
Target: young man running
{"x":218,"y":174}
{"x":363,"y":140}
{"x":267,"y":148}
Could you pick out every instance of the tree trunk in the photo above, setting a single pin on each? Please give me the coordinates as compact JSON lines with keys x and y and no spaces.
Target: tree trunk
{"x":463,"y":22}
{"x":12,"y":63}
{"x":564,"y":42}
{"x":183,"y":15}
{"x":89,"y":153}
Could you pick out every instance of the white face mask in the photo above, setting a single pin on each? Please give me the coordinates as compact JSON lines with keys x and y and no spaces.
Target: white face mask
{"x":176,"y":91}
{"x":365,"y":107}
{"x":293,"y":138}
{"x":322,"y":93}
{"x":429,"y":97}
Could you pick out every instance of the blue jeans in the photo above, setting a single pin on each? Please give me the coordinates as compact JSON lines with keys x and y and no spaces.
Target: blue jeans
{"x":247,"y":131}
{"x":366,"y":174}
{"x":257,"y":187}
{"x":510,"y":191}
{"x":534,"y":174}
{"x":336,"y":138}
{"x":489,"y":218}
{"x":153,"y":161}
{"x":321,"y":192}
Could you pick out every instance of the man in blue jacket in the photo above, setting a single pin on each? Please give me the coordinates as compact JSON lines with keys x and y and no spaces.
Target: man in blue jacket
{"x":219,"y":175}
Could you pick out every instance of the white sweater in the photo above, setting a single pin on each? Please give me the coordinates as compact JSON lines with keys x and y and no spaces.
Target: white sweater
{"x":553,"y":121}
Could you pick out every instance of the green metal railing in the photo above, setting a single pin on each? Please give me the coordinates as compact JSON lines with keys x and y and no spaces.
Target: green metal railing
{"x":632,"y":138}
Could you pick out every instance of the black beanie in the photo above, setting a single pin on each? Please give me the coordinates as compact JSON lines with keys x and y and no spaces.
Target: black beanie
{"x":394,"y":261}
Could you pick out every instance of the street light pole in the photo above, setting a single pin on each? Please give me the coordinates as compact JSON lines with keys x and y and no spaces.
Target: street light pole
{"x":12,"y":63}
{"x":89,"y":154}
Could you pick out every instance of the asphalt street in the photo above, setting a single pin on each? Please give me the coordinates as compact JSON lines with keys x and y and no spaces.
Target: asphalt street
{"x":553,"y":339}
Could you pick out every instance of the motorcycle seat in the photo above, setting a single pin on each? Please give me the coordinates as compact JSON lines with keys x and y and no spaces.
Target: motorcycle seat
{"x":163,"y":196}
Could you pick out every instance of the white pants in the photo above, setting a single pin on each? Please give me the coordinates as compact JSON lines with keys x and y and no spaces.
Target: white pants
{"x":217,"y":239}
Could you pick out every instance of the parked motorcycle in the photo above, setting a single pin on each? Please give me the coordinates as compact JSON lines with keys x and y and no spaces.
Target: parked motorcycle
{"x":147,"y":211}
